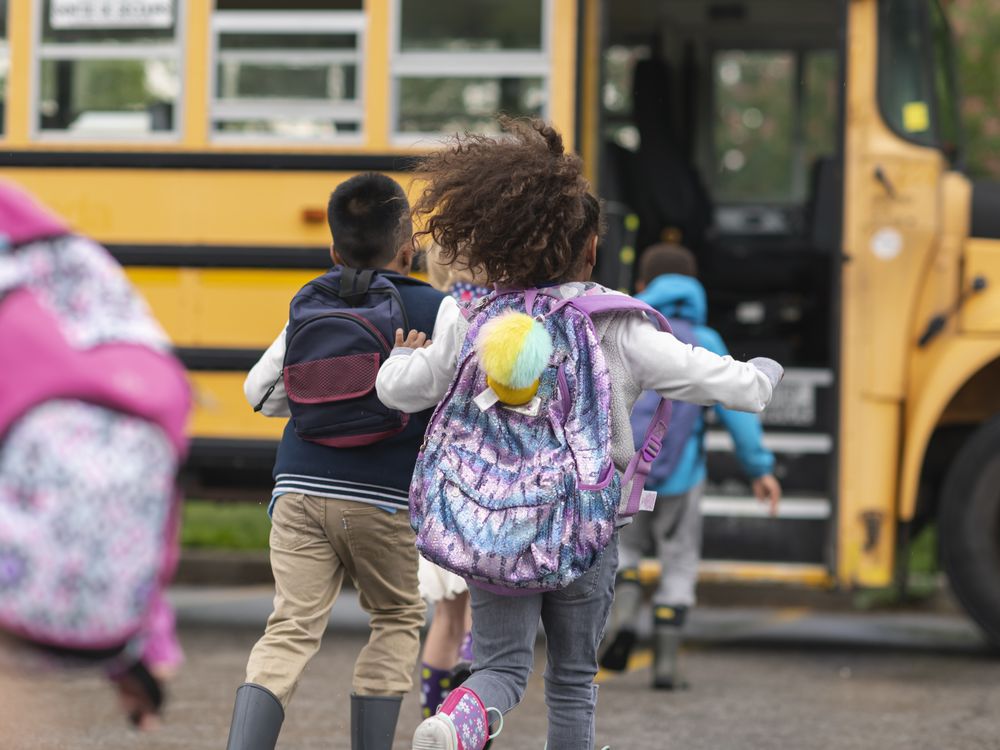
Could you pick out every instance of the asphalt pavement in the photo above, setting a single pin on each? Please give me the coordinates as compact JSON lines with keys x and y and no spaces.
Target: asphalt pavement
{"x":761,"y":678}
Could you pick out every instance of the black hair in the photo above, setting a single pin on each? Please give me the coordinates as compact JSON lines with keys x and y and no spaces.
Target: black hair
{"x":369,"y":218}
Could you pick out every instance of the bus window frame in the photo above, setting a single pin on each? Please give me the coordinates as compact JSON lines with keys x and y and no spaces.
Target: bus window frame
{"x":466,"y":64}
{"x":928,"y":63}
{"x":43,"y":52}
{"x":290,"y":22}
{"x":955,"y":156}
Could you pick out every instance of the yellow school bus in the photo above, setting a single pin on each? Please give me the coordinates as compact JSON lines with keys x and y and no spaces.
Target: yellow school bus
{"x":809,"y":151}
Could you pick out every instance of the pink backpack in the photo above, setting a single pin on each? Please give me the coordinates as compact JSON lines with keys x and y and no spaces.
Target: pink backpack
{"x":92,"y":429}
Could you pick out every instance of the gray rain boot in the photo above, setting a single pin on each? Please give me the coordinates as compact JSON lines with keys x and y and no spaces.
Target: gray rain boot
{"x":621,"y":636}
{"x":668,"y":624}
{"x":257,"y":718}
{"x":373,"y":721}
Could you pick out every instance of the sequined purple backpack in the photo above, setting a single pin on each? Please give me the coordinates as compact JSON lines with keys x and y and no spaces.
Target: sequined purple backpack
{"x":526,"y":498}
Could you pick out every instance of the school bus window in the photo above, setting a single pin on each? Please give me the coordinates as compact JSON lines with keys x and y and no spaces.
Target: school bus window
{"x":290,"y":75}
{"x":754,"y":104}
{"x":456,"y":65}
{"x":616,"y":96}
{"x":775,"y":117}
{"x":948,"y":120}
{"x":4,"y":63}
{"x":820,"y":100}
{"x":106,"y":75}
{"x":436,"y":25}
{"x":293,"y":5}
{"x":429,"y":105}
{"x":904,"y":88}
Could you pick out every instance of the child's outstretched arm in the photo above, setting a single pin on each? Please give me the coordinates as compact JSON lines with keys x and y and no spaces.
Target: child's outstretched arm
{"x":416,"y":376}
{"x":658,"y":361}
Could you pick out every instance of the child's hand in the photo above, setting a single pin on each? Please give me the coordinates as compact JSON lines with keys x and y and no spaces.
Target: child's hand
{"x":413,"y":340}
{"x":771,"y":369}
{"x":767,"y":490}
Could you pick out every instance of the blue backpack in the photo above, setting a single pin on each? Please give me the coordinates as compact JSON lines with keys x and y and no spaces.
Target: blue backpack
{"x":683,"y":418}
{"x":340,"y":330}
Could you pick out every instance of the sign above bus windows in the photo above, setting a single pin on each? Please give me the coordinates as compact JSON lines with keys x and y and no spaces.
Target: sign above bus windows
{"x":105,"y":14}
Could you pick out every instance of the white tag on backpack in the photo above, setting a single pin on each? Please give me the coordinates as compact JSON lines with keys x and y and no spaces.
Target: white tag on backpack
{"x":486,"y":400}
{"x":530,"y":409}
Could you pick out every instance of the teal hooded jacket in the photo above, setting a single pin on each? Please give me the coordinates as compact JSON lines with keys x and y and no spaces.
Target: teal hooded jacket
{"x":683,"y":297}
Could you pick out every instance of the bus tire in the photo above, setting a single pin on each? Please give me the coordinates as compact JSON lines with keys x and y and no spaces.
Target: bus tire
{"x":969,"y":527}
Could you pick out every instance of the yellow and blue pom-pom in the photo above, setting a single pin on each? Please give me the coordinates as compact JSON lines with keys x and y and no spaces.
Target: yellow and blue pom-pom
{"x":514,"y":350}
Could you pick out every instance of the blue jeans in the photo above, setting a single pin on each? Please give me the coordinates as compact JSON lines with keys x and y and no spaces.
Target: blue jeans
{"x":503,"y":633}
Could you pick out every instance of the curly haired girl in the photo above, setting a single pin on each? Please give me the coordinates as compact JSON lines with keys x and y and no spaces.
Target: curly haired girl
{"x":517,"y":208}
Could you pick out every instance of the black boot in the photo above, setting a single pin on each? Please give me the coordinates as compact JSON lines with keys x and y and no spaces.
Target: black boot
{"x":257,"y":718}
{"x":373,"y":721}
{"x":621,"y":636}
{"x":668,"y":623}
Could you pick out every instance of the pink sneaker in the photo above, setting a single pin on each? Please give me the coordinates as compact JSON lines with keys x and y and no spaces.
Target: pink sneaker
{"x":462,"y":723}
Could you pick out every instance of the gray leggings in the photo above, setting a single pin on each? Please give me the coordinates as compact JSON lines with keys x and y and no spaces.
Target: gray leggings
{"x":504,"y":630}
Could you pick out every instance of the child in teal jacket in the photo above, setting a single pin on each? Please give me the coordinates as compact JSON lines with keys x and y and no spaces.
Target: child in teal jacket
{"x":667,"y":282}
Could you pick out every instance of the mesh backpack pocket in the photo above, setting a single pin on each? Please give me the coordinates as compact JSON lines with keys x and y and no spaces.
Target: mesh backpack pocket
{"x":332,"y":378}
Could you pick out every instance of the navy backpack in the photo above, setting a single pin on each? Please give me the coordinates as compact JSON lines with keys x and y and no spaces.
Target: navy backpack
{"x":683,"y":419}
{"x":341,"y":328}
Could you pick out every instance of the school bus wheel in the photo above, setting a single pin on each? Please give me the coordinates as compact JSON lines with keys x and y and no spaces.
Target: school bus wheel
{"x":969,"y":527}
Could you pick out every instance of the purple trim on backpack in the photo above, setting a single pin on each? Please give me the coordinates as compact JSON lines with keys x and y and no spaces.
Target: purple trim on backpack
{"x":603,"y":481}
{"x":564,"y":396}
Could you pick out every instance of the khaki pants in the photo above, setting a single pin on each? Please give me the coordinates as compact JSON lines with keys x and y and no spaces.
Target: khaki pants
{"x":314,"y":542}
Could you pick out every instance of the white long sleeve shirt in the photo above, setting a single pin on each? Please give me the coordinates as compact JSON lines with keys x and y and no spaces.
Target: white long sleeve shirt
{"x":265,"y":374}
{"x":639,"y":356}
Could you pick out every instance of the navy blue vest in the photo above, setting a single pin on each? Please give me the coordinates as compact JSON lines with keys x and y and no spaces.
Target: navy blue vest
{"x":388,"y":463}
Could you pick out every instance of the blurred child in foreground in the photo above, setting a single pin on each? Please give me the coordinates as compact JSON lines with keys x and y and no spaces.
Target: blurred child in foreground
{"x":92,"y":414}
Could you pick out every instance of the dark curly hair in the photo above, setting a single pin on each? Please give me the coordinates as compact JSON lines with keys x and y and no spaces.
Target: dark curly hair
{"x":512,"y":206}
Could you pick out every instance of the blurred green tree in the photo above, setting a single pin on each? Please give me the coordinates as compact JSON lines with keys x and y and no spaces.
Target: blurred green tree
{"x":976,"y":24}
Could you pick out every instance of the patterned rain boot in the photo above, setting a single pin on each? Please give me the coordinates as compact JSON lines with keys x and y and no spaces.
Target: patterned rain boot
{"x":462,"y":723}
{"x":434,"y":686}
{"x":461,"y":671}
{"x":621,"y":636}
{"x":668,"y":623}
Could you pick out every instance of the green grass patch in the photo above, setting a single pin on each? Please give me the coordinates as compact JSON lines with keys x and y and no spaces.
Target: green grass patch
{"x":230,"y":525}
{"x":921,"y":578}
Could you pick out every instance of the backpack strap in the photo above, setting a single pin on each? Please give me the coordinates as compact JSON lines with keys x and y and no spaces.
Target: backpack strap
{"x":355,"y":284}
{"x":638,"y":468}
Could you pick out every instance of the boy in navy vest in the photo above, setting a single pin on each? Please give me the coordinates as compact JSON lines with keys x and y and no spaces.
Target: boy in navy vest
{"x":667,"y":281}
{"x":342,"y":511}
